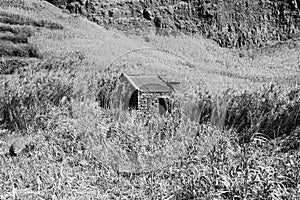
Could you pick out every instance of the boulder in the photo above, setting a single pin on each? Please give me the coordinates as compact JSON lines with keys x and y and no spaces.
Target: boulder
{"x":138,"y":9}
{"x":74,"y":7}
{"x":147,"y":14}
{"x":83,"y":11}
{"x":158,"y":21}
{"x":63,"y":100}
{"x":115,"y":12}
{"x":20,"y":145}
{"x":82,"y":2}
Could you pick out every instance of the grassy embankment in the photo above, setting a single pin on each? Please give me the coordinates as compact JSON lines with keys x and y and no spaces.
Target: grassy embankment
{"x":73,"y":149}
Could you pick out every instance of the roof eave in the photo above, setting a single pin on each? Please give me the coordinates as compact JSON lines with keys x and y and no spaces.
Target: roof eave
{"x":138,"y":88}
{"x":130,"y":81}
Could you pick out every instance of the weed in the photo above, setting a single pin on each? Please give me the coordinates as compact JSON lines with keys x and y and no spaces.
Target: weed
{"x":211,"y":146}
{"x":20,"y":50}
{"x":15,"y":19}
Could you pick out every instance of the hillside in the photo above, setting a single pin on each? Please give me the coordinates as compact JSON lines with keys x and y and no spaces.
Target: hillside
{"x":233,"y":132}
{"x":231,"y":23}
{"x":217,"y":67}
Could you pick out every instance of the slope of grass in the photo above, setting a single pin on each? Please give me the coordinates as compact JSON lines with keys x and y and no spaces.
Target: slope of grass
{"x":16,"y":28}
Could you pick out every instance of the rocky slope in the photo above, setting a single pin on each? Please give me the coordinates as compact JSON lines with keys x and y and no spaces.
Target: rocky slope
{"x":232,"y":23}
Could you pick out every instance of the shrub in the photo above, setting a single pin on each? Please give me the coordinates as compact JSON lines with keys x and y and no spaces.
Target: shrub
{"x":18,"y":50}
{"x":14,"y":38}
{"x":33,"y":92}
{"x":137,"y":155}
{"x":16,"y":19}
{"x":25,"y":31}
{"x":23,"y":102}
{"x":106,"y":88}
{"x":271,"y":111}
{"x":9,"y":66}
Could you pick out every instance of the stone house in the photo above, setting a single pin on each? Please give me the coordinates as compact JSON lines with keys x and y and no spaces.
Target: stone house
{"x":146,"y":93}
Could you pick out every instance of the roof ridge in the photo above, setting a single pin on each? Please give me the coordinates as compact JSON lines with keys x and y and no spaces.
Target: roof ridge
{"x":153,"y":83}
{"x":165,"y":82}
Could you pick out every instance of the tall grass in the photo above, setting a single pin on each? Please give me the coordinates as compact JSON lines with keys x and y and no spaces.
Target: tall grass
{"x":8,"y":49}
{"x":20,"y":30}
{"x":16,"y":19}
{"x":105,"y":154}
{"x":209,"y":147}
{"x":14,"y":38}
{"x":10,"y":66}
{"x":29,"y":94}
{"x":81,"y":150}
{"x":272,"y":110}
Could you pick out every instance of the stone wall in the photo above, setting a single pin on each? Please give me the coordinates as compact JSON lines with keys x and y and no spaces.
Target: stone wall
{"x":150,"y":101}
{"x":145,"y":100}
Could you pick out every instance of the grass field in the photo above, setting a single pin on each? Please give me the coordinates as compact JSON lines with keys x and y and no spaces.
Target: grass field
{"x":234,"y":135}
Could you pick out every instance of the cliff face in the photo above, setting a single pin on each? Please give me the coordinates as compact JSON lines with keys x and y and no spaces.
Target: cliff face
{"x":232,"y":23}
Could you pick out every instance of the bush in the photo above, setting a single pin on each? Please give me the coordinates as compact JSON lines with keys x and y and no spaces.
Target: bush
{"x":30,"y":94}
{"x":14,"y":38}
{"x":25,"y":31}
{"x":10,"y":66}
{"x":116,"y":154}
{"x":16,"y":19}
{"x":271,"y":111}
{"x":18,"y":50}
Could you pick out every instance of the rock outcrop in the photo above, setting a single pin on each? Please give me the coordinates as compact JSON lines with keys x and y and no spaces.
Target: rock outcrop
{"x":231,"y":23}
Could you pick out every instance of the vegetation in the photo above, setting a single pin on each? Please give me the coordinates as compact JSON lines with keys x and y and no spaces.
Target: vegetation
{"x":82,"y":150}
{"x":233,"y":144}
{"x":15,"y":32}
{"x":16,"y":19}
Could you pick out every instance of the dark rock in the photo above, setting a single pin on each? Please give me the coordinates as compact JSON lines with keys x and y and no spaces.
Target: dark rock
{"x":232,"y":23}
{"x":74,"y":7}
{"x":158,"y":21}
{"x":139,"y":9}
{"x":128,"y":13}
{"x":20,"y":145}
{"x":83,"y":11}
{"x":66,"y":11}
{"x":62,"y":7}
{"x":102,"y":12}
{"x":147,"y":14}
{"x":82,"y":2}
{"x":115,"y":12}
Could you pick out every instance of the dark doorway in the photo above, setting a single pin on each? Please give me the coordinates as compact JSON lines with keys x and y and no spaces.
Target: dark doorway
{"x":162,"y":106}
{"x":133,"y":101}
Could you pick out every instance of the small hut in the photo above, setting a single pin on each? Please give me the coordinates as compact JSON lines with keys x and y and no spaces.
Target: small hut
{"x":144,"y":93}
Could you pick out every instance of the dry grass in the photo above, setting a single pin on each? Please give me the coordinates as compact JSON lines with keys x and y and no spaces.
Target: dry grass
{"x":14,"y":38}
{"x":17,"y":19}
{"x":78,"y":150}
{"x":18,"y":30}
{"x":20,"y":50}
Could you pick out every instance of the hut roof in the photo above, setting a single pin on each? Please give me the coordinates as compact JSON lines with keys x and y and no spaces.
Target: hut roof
{"x":148,"y":83}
